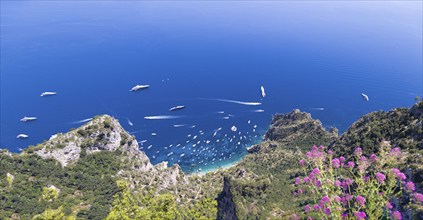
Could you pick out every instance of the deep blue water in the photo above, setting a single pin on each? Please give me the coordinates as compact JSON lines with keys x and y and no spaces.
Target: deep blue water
{"x":307,"y":55}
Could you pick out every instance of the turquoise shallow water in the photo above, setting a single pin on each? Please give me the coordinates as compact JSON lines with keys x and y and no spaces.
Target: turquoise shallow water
{"x":315,"y":56}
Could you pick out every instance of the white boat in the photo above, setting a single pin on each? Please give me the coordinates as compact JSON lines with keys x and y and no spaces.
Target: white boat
{"x":177,"y":108}
{"x":138,"y":87}
{"x":25,"y":119}
{"x":263,"y":93}
{"x":365,"y":97}
{"x":22,"y":136}
{"x":48,"y":93}
{"x":233,"y":128}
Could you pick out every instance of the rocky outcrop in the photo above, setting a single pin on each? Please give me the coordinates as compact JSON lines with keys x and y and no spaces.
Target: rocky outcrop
{"x":298,"y":129}
{"x":103,"y":133}
{"x":70,"y":153}
{"x":253,"y":149}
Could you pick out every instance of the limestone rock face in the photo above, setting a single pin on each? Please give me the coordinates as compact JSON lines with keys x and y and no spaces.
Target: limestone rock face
{"x":253,"y":149}
{"x":66,"y":155}
{"x":103,"y":133}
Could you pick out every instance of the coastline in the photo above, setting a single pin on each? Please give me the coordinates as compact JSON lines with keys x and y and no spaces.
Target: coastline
{"x":219,"y":166}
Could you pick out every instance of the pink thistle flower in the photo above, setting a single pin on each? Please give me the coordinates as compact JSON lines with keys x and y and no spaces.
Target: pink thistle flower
{"x":358,"y":151}
{"x":350,"y":164}
{"x":309,"y":155}
{"x":330,"y":152}
{"x":366,"y":179}
{"x":418,"y":197}
{"x":325,"y":199}
{"x":360,"y":200}
{"x":409,"y":186}
{"x":389,"y":205}
{"x":401,"y":176}
{"x":307,"y":208}
{"x":306,"y":179}
{"x":360,"y":215}
{"x":373,"y":158}
{"x":302,"y":162}
{"x":336,"y":163}
{"x":316,"y":207}
{"x":318,"y":184}
{"x":397,"y":215}
{"x":327,"y":211}
{"x":321,"y":204}
{"x":297,"y":181}
{"x":337,"y":199}
{"x":314,"y":148}
{"x":300,"y":191}
{"x":348,"y":181}
{"x":310,"y":218}
{"x":380,"y":178}
{"x":396,"y":152}
{"x":337,"y":183}
{"x":342,"y":159}
{"x":344,"y":201}
{"x":316,"y":171}
{"x":395,"y":171}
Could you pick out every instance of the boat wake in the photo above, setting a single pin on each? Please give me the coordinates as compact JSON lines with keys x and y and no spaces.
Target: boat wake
{"x":82,"y":121}
{"x":230,"y":101}
{"x":317,"y":109}
{"x":161,"y":117}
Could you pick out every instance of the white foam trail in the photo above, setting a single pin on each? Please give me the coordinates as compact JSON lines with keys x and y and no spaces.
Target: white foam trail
{"x":82,"y":121}
{"x":181,"y":125}
{"x":318,"y":109}
{"x":238,"y":102}
{"x":258,"y":110}
{"x":161,"y":117}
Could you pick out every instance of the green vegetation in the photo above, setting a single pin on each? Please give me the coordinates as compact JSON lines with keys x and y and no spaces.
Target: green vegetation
{"x":129,"y":205}
{"x":50,"y":193}
{"x":91,"y":180}
{"x":53,"y":214}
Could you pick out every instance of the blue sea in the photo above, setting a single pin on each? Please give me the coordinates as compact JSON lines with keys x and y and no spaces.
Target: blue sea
{"x":212,"y":58}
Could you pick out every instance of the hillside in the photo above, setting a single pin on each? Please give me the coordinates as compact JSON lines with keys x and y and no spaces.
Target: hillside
{"x":97,"y":171}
